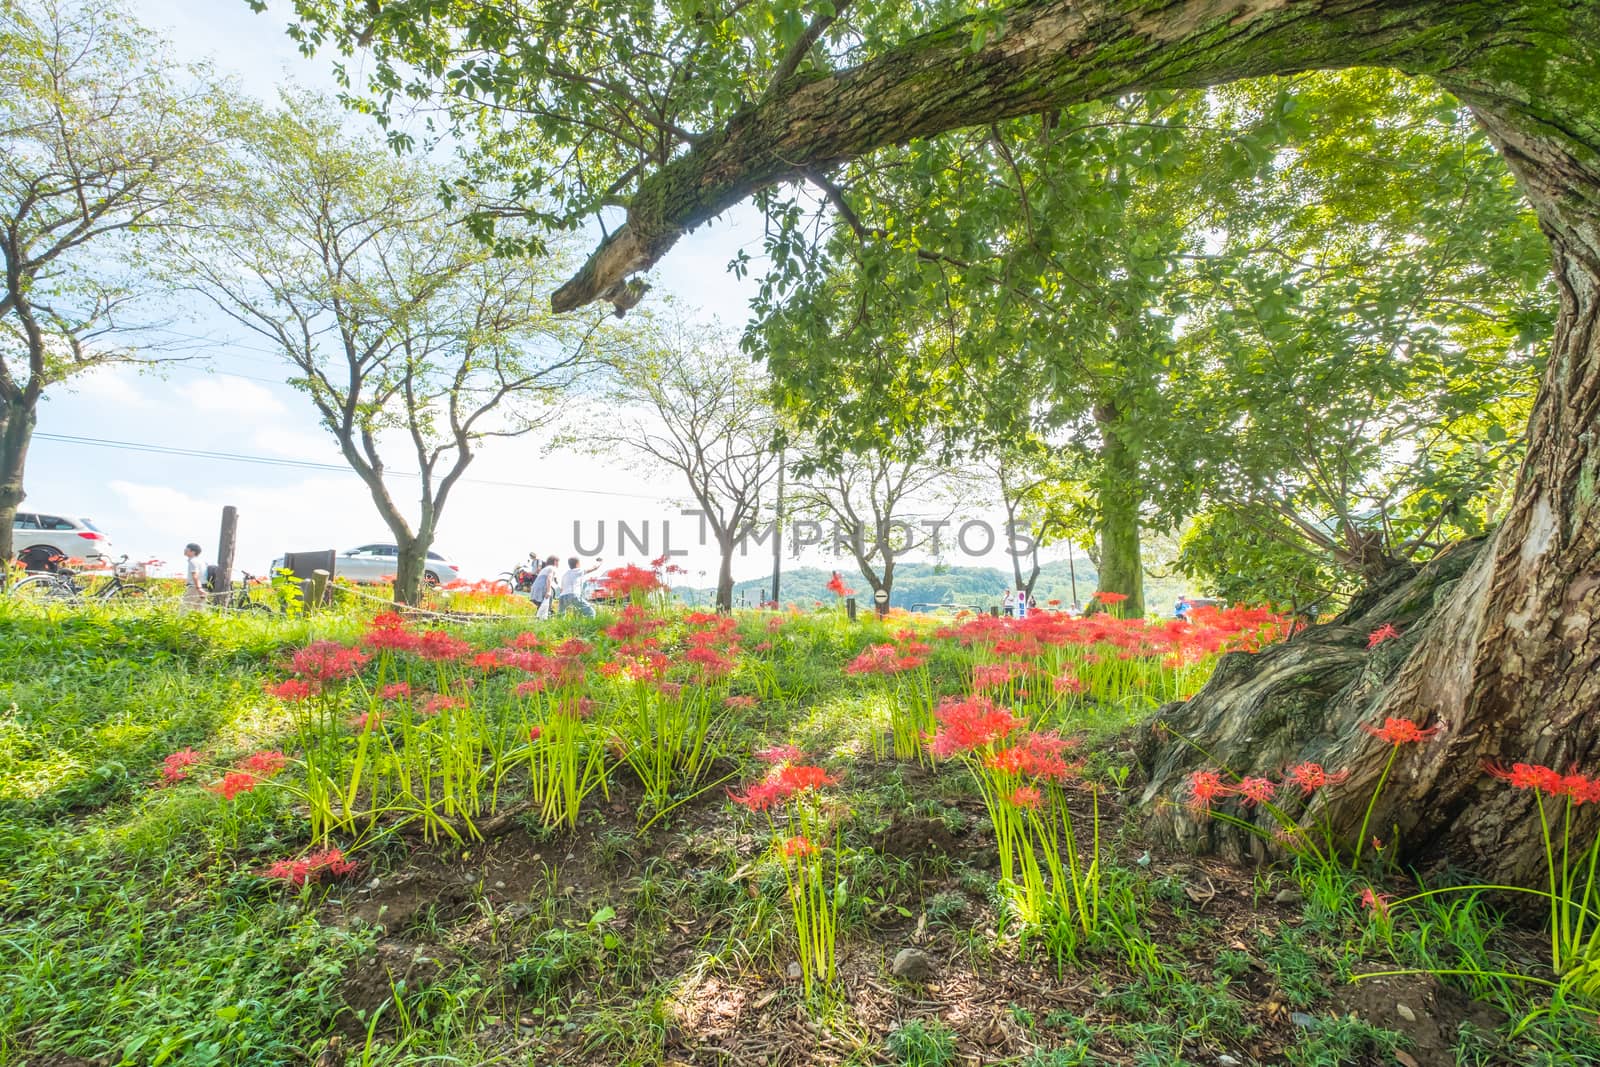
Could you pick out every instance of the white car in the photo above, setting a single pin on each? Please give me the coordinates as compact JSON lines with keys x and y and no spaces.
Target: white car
{"x":37,"y":535}
{"x":379,"y":561}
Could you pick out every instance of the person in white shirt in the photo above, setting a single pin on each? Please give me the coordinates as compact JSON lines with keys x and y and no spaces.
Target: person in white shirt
{"x":572,"y":588}
{"x":194,"y":576}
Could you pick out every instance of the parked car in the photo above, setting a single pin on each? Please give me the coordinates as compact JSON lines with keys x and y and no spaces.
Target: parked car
{"x":36,"y":536}
{"x":379,"y":561}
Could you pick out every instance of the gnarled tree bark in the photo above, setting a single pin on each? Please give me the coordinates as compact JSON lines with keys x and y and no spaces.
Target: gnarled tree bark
{"x":1504,"y":652}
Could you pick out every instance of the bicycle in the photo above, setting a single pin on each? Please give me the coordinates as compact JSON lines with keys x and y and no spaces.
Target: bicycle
{"x":125,"y":583}
{"x":242,"y":601}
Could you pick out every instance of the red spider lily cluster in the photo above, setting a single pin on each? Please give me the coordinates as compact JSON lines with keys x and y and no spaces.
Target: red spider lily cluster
{"x":326,"y":661}
{"x":312,"y":867}
{"x":837,"y":587}
{"x":1574,"y":787}
{"x":1206,"y":787}
{"x":1206,"y":632}
{"x":175,"y":768}
{"x":711,"y":644}
{"x":631,"y":581}
{"x":888,"y":659}
{"x":249,"y":773}
{"x":969,"y":725}
{"x":783,"y":782}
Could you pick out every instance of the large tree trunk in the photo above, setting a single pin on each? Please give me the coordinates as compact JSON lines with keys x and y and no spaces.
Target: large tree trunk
{"x":16,"y":431}
{"x":1506,"y":656}
{"x":1121,"y":563}
{"x":1500,"y":645}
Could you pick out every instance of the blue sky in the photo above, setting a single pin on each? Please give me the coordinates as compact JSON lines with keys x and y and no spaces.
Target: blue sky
{"x":229,"y":398}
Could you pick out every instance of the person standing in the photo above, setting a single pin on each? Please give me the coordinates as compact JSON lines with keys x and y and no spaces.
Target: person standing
{"x":194,"y":574}
{"x":544,"y":587}
{"x":572,"y":582}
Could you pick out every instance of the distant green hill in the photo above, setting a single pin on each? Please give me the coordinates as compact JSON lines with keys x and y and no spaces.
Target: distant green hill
{"x":928,"y":586}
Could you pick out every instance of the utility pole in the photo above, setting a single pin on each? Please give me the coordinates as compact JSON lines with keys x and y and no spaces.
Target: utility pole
{"x":1072,"y":571}
{"x":777,"y":533}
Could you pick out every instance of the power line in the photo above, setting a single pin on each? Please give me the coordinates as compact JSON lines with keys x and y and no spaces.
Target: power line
{"x":306,"y":464}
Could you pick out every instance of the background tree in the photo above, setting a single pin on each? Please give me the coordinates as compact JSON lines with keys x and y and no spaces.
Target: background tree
{"x":1361,"y":380}
{"x":1038,"y":499}
{"x":868,"y":504}
{"x":404,"y":332}
{"x":99,"y":143}
{"x":686,"y":400}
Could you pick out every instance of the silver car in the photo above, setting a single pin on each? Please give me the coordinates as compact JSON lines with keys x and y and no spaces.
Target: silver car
{"x":379,"y":561}
{"x":37,"y":535}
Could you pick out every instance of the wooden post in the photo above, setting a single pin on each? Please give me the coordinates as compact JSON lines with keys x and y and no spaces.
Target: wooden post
{"x":319,"y":586}
{"x":850,"y":607}
{"x":225,"y":545}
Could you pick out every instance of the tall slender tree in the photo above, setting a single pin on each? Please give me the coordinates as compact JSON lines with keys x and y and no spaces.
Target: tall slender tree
{"x":405,"y":333}
{"x":102,"y":140}
{"x":684,"y":399}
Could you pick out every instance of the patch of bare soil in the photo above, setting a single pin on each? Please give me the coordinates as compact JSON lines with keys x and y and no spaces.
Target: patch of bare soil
{"x":1428,"y":1012}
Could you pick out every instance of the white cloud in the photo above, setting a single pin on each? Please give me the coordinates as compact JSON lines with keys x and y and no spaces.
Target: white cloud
{"x":228,"y":394}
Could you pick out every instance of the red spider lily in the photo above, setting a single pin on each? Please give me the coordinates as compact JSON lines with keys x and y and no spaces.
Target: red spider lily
{"x":486,"y":661}
{"x":310,"y":868}
{"x":390,"y":638}
{"x":670,"y":690}
{"x":263,"y":764}
{"x":1205,"y":789}
{"x":535,"y":732}
{"x":572,"y":648}
{"x":1067,"y":683}
{"x":1386,"y":632}
{"x":395,"y":691}
{"x":630,"y":580}
{"x":1106,"y":596}
{"x":293,"y":689}
{"x":233,"y":783}
{"x":326,"y":661}
{"x":1255,"y":790}
{"x":440,"y":702}
{"x":741,"y":702}
{"x":967,"y":725}
{"x":1402,"y":731}
{"x":369,"y":720}
{"x":1311,"y":777}
{"x":174,"y":768}
{"x":635,"y":622}
{"x":782,"y":782}
{"x":1038,"y":756}
{"x":837,"y":587}
{"x":761,"y":647}
{"x":531,"y":686}
{"x":994,"y":675}
{"x":1027,"y":796}
{"x":439,"y":646}
{"x":1376,"y":902}
{"x":875,"y":659}
{"x":798,"y":846}
{"x":780,"y":754}
{"x":1053,"y":602}
{"x":1581,"y":790}
{"x":709,"y":663}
